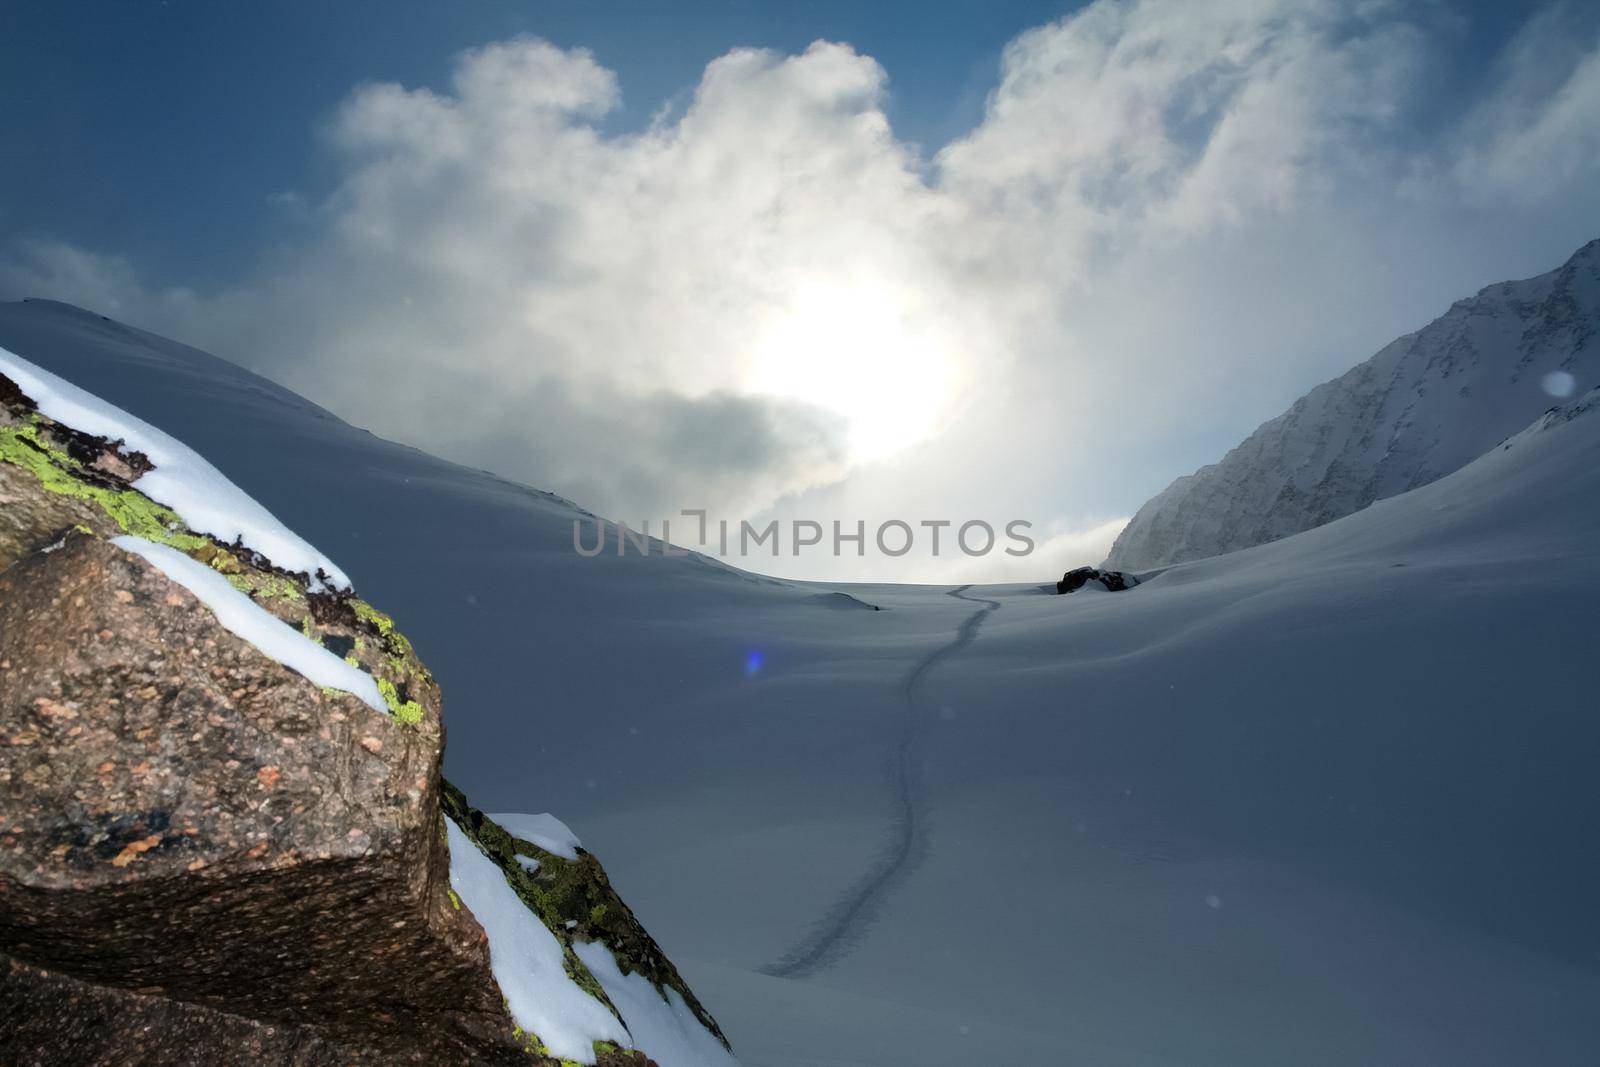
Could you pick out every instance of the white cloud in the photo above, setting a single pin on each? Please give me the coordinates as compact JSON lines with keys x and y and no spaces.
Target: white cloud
{"x":1186,"y":115}
{"x":1172,"y":219}
{"x":1539,"y":131}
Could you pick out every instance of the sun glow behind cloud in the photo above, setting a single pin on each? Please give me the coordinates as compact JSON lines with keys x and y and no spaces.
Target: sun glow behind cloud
{"x":864,"y":352}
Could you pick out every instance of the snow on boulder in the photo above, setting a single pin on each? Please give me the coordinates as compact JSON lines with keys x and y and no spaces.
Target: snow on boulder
{"x":243,"y":617}
{"x":56,"y":478}
{"x":659,"y":1019}
{"x":601,"y":943}
{"x":170,"y":473}
{"x":528,"y":961}
{"x":545,"y":830}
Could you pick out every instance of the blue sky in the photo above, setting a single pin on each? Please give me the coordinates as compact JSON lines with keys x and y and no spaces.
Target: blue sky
{"x":161,"y":129}
{"x":968,"y":260}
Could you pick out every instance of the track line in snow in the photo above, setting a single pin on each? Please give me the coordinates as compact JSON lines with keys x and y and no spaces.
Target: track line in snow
{"x":849,"y":917}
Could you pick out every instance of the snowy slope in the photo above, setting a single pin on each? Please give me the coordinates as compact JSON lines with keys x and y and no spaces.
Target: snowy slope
{"x":1422,"y":407}
{"x":1323,"y":801}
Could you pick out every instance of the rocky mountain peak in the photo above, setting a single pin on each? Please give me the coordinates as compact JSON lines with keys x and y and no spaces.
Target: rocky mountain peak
{"x":1425,"y":405}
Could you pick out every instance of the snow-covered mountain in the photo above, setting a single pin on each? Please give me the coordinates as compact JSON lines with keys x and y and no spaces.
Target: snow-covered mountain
{"x":1322,"y":801}
{"x":1425,"y":405}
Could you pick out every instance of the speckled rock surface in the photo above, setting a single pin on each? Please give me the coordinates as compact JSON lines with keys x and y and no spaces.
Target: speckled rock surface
{"x":184,"y":816}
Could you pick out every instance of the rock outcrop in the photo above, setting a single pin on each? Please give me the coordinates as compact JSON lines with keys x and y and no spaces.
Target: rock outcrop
{"x":1111,"y":581}
{"x":206,"y":857}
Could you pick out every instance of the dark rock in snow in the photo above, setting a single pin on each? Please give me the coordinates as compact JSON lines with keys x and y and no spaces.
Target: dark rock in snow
{"x":1113,"y":581}
{"x":844,"y":601}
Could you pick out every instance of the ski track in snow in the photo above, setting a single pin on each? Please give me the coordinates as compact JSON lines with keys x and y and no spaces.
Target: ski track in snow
{"x":843,"y":923}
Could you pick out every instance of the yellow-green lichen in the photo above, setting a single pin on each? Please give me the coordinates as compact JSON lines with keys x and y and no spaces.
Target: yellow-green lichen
{"x":261,"y":585}
{"x":407,"y":711}
{"x":402,"y":662}
{"x":398,"y":645}
{"x":30,"y":433}
{"x":132,"y":511}
{"x":530,"y":1042}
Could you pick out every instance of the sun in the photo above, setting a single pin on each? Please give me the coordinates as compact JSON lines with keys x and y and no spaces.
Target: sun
{"x":866,"y":353}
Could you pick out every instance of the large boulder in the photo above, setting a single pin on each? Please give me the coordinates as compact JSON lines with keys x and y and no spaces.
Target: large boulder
{"x":207,"y":857}
{"x":187,"y":815}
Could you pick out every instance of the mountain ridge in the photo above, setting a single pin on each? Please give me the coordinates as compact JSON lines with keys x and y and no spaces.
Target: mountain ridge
{"x":1423,"y":406}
